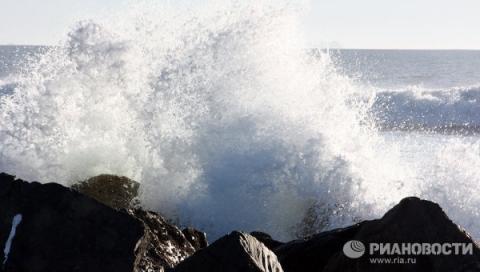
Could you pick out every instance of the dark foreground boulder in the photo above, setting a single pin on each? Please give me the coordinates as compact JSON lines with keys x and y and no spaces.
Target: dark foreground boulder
{"x":411,"y":221}
{"x":48,"y":227}
{"x":62,"y":230}
{"x":236,"y":252}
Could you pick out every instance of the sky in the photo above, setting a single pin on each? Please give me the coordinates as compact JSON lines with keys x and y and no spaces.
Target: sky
{"x":381,"y":24}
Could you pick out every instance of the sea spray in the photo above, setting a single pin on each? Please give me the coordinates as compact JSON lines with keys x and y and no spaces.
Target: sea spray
{"x":17,"y":219}
{"x":220,"y":112}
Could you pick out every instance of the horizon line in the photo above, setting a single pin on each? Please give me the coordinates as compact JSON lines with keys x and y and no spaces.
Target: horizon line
{"x":322,"y":48}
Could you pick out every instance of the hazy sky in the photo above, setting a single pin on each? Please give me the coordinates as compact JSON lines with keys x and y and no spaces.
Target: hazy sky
{"x":346,"y":23}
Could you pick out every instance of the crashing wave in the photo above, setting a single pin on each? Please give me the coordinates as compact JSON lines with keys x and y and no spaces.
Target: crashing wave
{"x":224,"y":118}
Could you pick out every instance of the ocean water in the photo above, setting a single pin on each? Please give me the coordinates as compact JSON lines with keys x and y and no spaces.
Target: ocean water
{"x":418,"y":89}
{"x":230,"y":122}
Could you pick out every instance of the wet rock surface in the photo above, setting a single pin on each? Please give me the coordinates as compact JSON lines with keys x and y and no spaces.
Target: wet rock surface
{"x":196,"y":238}
{"x":236,"y":252}
{"x":411,"y":221}
{"x":114,"y":191}
{"x":314,"y":253}
{"x":48,"y":227}
{"x":162,"y":246}
{"x":63,"y":230}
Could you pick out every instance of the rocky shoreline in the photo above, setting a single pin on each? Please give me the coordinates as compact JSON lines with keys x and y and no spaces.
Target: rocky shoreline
{"x":49,"y":227}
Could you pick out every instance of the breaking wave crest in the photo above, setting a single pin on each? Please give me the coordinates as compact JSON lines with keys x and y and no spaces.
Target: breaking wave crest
{"x":455,"y":110}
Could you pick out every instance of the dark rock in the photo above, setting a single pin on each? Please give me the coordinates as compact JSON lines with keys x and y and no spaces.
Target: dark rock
{"x":236,"y":252}
{"x":113,"y":191}
{"x":63,"y":230}
{"x":266,"y":239}
{"x":48,"y":227}
{"x":197,"y":238}
{"x":312,"y":254}
{"x":411,"y":221}
{"x":163,"y":244}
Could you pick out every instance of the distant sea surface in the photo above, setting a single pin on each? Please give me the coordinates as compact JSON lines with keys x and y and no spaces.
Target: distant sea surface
{"x":13,"y":58}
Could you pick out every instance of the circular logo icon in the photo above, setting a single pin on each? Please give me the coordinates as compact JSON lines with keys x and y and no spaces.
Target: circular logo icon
{"x":354,"y":249}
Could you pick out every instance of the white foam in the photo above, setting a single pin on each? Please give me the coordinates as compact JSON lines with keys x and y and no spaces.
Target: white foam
{"x":17,"y":219}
